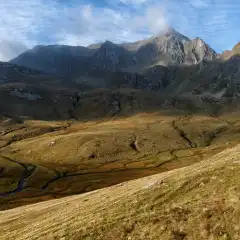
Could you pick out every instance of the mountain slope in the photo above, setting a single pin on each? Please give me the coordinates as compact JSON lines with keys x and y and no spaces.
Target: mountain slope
{"x":197,"y":202}
{"x":217,"y":79}
{"x":54,"y":59}
{"x":210,"y":87}
{"x":10,"y":73}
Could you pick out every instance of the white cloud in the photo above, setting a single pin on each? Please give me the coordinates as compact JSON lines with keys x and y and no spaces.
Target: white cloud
{"x":9,"y":50}
{"x":87,"y":12}
{"x":156,"y":19}
{"x":21,"y":18}
{"x":32,"y":22}
{"x":110,"y":24}
{"x":20,"y":23}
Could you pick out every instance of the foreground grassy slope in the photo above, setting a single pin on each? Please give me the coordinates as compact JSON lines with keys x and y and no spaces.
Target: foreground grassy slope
{"x":44,"y":160}
{"x":196,"y":202}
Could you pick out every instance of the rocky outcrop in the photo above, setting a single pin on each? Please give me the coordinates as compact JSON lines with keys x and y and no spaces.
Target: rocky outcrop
{"x":20,"y":93}
{"x":197,"y":50}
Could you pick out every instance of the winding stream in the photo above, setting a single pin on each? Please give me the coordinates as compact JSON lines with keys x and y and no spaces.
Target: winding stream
{"x":28,"y":170}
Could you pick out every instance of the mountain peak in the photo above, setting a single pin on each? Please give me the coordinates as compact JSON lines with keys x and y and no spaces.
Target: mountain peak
{"x":108,"y":43}
{"x":171,"y":32}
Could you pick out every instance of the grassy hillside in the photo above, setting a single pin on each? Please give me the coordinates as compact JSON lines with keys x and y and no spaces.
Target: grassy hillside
{"x":41,"y":160}
{"x":196,"y":202}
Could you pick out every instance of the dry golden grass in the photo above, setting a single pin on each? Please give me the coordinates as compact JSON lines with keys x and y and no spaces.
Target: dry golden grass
{"x":201,"y":201}
{"x":64,"y":158}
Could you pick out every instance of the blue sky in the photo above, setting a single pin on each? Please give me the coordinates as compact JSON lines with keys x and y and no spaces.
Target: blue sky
{"x":25,"y":23}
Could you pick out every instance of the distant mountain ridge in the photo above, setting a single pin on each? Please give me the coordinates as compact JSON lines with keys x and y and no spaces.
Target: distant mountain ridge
{"x":167,"y":48}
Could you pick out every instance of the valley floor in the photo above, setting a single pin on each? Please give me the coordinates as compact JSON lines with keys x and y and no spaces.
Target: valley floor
{"x":41,"y":160}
